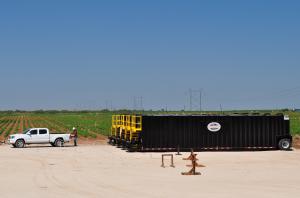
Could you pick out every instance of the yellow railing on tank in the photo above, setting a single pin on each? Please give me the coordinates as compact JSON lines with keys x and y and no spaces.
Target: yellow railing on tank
{"x":123,"y":121}
{"x":118,"y":120}
{"x":127,"y":127}
{"x":128,"y":122}
{"x":113,"y":125}
{"x":136,"y":127}
{"x":114,"y":121}
{"x":122,"y":126}
{"x":136,"y":123}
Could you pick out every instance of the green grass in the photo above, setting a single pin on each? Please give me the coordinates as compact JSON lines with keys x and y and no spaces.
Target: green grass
{"x":90,"y":124}
{"x":295,"y":123}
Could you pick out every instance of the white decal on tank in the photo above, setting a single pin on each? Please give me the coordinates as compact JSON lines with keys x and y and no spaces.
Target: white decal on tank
{"x":214,"y":126}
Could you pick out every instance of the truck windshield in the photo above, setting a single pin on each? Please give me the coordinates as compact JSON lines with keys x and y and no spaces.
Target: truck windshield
{"x":26,"y":131}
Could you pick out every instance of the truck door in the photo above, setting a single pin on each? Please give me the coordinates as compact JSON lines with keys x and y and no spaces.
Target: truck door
{"x":43,"y":136}
{"x":33,"y":136}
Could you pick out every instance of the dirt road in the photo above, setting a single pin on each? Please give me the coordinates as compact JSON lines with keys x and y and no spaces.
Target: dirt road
{"x":105,"y":171}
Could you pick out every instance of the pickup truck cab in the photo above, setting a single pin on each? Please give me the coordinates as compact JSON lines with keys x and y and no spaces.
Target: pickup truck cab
{"x":38,"y":136}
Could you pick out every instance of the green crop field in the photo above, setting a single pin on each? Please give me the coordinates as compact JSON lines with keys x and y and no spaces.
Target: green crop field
{"x":89,"y":124}
{"x":92,"y":124}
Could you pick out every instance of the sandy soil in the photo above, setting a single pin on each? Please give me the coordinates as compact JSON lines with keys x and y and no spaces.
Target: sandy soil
{"x":105,"y":171}
{"x":296,"y":141}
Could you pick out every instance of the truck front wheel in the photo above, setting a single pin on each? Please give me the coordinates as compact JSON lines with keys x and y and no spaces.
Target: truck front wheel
{"x":59,"y":143}
{"x":20,"y":144}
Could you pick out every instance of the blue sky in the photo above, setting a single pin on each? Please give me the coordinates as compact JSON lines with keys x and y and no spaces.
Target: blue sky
{"x":87,"y":54}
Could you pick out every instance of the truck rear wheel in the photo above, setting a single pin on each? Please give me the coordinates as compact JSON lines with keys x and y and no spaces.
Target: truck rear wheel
{"x":285,"y":144}
{"x":20,"y":144}
{"x":59,"y":143}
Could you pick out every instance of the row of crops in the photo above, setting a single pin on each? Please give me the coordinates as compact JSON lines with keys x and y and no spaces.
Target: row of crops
{"x":9,"y":124}
{"x":89,"y":124}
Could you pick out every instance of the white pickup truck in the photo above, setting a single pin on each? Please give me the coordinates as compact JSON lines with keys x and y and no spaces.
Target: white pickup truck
{"x":38,"y":136}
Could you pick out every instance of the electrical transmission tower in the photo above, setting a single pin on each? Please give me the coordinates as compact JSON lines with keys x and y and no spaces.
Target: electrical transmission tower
{"x":195,"y":100}
{"x":138,"y":103}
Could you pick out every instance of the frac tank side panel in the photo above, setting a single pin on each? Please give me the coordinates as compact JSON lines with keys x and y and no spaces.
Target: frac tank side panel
{"x":213,"y":132}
